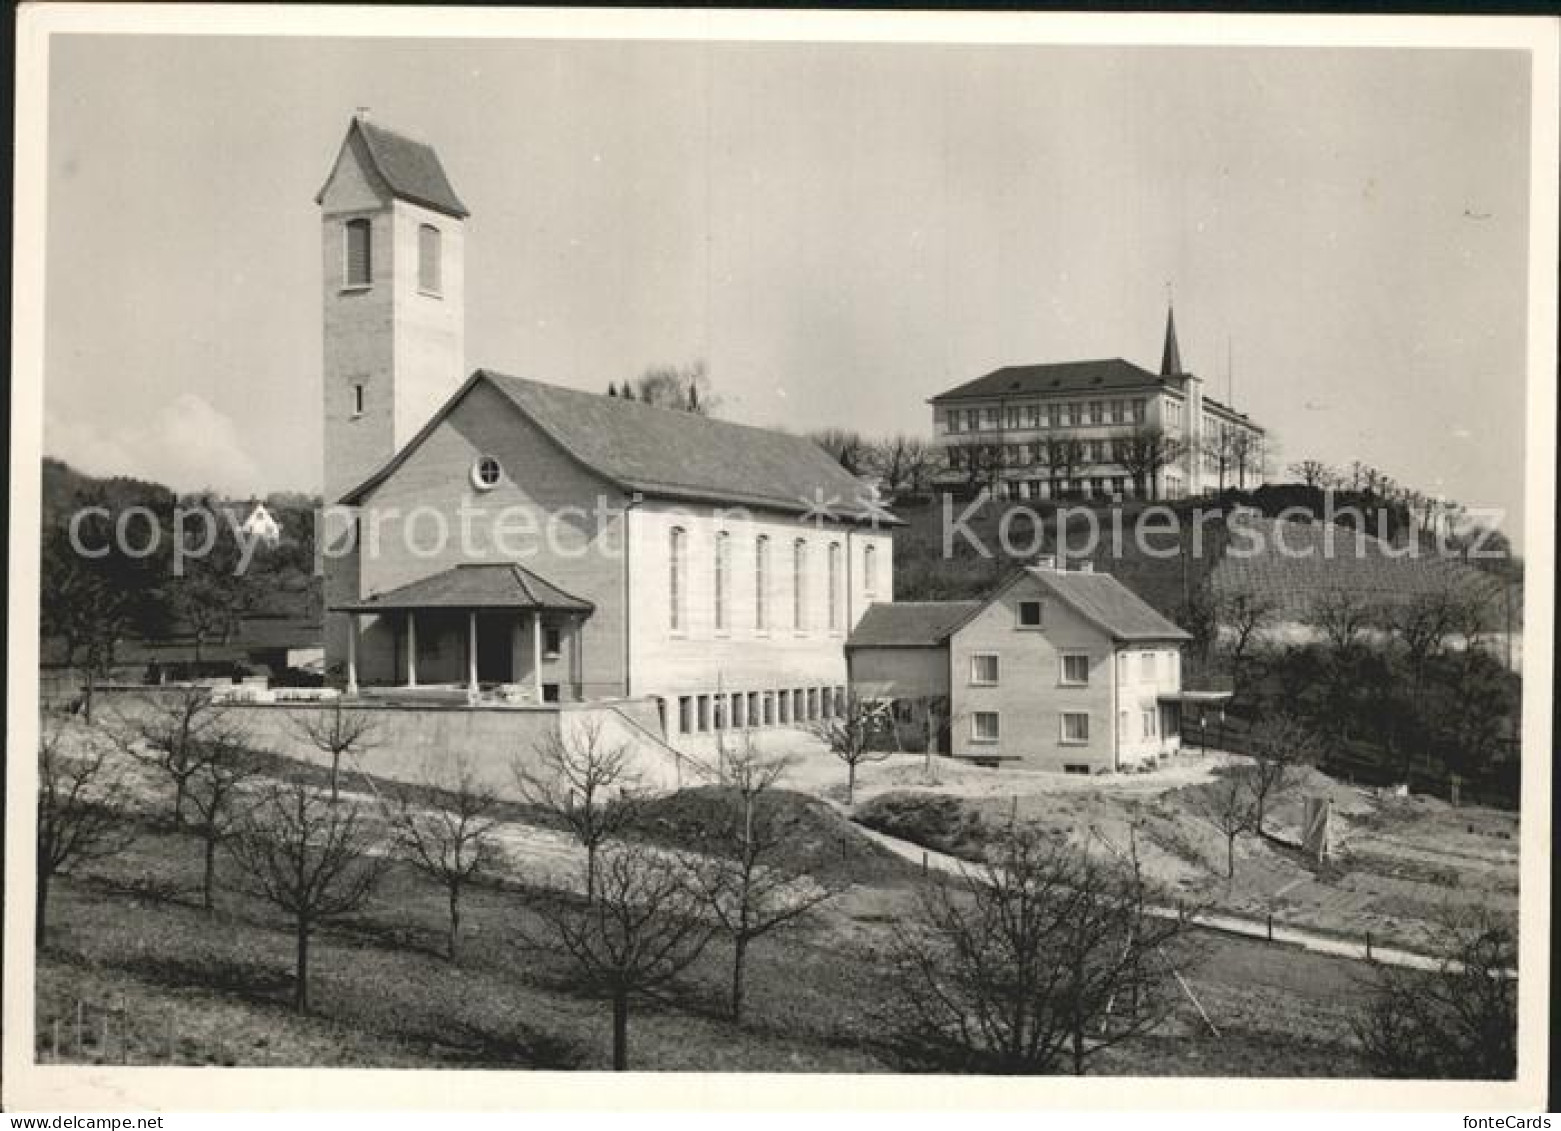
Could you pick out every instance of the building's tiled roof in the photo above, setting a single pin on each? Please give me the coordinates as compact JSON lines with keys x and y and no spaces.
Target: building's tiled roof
{"x":1107,"y":374}
{"x":411,"y":169}
{"x":910,"y":624}
{"x":668,"y":454}
{"x":1102,"y":599}
{"x":475,"y":586}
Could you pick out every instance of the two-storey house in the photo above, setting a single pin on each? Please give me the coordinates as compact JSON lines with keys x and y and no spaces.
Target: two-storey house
{"x":1057,"y":669}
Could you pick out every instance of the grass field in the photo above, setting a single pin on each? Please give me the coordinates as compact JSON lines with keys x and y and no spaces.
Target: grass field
{"x":129,"y":938}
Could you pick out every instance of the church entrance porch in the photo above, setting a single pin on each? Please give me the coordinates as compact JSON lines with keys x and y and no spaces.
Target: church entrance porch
{"x":475,"y":633}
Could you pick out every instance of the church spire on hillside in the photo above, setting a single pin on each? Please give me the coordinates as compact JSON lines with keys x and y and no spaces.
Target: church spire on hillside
{"x":1171,"y":359}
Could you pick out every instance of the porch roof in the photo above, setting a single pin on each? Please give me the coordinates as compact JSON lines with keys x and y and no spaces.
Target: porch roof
{"x":474,"y":586}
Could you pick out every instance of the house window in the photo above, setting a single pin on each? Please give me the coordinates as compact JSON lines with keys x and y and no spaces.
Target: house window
{"x":704,"y":712}
{"x":870,"y":569}
{"x":1032,"y":416}
{"x":360,"y":263}
{"x":834,"y":587}
{"x":1029,"y":614}
{"x":1075,"y":768}
{"x":685,"y":714}
{"x":989,"y":417}
{"x":1149,"y":722}
{"x":357,"y":400}
{"x":761,"y":584}
{"x":785,"y":706}
{"x":799,"y":589}
{"x":983,"y":726}
{"x":983,"y":669}
{"x":486,"y":473}
{"x":1013,"y":416}
{"x":1094,"y":412}
{"x":1118,"y":411}
{"x":428,"y":253}
{"x":1046,"y":415}
{"x":1075,"y":670}
{"x":677,"y":569}
{"x":1122,"y":723}
{"x":1146,"y":668}
{"x":722,"y":562}
{"x":952,"y":419}
{"x":1075,"y":727}
{"x":552,"y":641}
{"x":1138,"y":412}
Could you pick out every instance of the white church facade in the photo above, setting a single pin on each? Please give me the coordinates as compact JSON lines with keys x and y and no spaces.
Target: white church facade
{"x":517,"y":542}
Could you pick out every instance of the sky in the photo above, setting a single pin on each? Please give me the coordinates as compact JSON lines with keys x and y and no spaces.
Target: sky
{"x":839,"y":231}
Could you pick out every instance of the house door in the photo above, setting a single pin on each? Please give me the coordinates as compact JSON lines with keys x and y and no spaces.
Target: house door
{"x":495,"y":649}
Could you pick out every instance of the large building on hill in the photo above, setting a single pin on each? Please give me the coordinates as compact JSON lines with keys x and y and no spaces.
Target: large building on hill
{"x":1057,"y":669}
{"x":517,"y":542}
{"x":1083,"y":429}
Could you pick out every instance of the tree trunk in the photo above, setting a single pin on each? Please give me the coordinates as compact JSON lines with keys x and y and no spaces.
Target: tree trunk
{"x":40,"y":907}
{"x":455,"y":919}
{"x":209,"y":876}
{"x":178,"y":802}
{"x":1230,"y":856}
{"x":850,"y":783}
{"x":620,"y":1032}
{"x":335,"y":774}
{"x":739,"y":961}
{"x":88,"y":687}
{"x":301,"y":974}
{"x":1078,"y":1046}
{"x":590,"y":873}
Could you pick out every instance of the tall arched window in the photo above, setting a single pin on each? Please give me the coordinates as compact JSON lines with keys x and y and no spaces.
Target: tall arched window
{"x":359,"y":253}
{"x":799,"y":584}
{"x":834,"y":587}
{"x":723,"y":547}
{"x":428,"y":259}
{"x":677,"y":576}
{"x":870,"y":570}
{"x":761,"y":584}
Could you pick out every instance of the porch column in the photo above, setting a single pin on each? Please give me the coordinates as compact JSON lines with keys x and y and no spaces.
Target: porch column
{"x":471,"y":651}
{"x":536,"y":654}
{"x":576,"y":659}
{"x":411,"y":648}
{"x":352,"y":654}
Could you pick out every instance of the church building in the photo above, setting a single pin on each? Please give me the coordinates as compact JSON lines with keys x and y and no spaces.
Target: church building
{"x":513,"y":542}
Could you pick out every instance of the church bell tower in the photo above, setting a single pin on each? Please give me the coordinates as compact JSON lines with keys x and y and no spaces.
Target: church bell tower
{"x":393,"y":251}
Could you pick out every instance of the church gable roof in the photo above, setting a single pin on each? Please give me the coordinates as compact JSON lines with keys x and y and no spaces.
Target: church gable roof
{"x":410,"y":169}
{"x":667,"y":454}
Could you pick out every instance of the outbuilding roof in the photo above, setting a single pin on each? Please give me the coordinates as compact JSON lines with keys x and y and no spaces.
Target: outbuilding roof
{"x":474,"y":585}
{"x":411,"y":169}
{"x":670,"y":454}
{"x":910,"y":624}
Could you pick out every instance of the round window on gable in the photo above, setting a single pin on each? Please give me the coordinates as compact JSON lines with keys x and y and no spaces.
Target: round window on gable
{"x":486,"y":473}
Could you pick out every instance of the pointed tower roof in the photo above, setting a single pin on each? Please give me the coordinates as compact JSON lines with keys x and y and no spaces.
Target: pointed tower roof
{"x":1171,"y":359}
{"x":410,"y":169}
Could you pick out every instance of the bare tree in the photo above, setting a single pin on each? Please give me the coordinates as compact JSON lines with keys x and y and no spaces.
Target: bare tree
{"x":682,"y":387}
{"x":337,"y":732}
{"x":310,"y":858}
{"x":905,"y":463}
{"x":224,"y":765}
{"x":1226,"y":804}
{"x":1315,"y":473}
{"x":1281,"y":746}
{"x":1040,"y":958}
{"x":744,"y":881}
{"x":1063,"y":456}
{"x":1218,"y":452}
{"x":1247,"y":615}
{"x":79,"y":817}
{"x":1457,"y":1021}
{"x":641,"y":929}
{"x":1143,"y":451}
{"x":447,"y":830}
{"x":584,"y":781}
{"x":849,"y":735}
{"x":1247,"y":455}
{"x":166,"y":732}
{"x":845,"y":446}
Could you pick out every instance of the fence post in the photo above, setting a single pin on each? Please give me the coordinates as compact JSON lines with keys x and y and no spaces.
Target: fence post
{"x":103,"y":1038}
{"x":55,"y":1034}
{"x":1270,"y":926}
{"x":78,"y":1027}
{"x":1368,"y":945}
